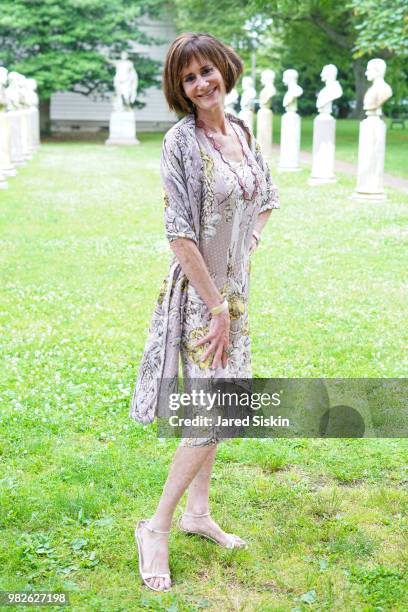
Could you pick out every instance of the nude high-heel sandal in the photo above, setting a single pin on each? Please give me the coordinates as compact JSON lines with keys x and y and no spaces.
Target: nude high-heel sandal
{"x":232,"y":536}
{"x":146,"y":575}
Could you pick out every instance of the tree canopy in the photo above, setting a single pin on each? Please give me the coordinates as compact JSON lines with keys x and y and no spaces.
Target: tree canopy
{"x":382,"y":27}
{"x":306,"y":35}
{"x":63,"y":43}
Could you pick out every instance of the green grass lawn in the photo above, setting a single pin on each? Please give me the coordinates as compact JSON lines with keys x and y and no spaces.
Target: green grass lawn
{"x":396,"y":153}
{"x":83,"y":257}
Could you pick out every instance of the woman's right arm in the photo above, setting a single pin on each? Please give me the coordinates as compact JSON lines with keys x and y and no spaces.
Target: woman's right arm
{"x":194,"y":267}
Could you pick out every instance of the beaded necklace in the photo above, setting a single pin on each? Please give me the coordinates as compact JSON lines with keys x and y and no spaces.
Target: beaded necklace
{"x":200,"y":123}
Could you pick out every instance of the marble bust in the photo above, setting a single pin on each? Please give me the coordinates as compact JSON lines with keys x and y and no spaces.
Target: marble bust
{"x":3,"y":83}
{"x":248,"y":94}
{"x":125,"y":83}
{"x":31,"y":93}
{"x":331,"y":91}
{"x":269,"y":89}
{"x":230,"y":100}
{"x":290,"y":78}
{"x":24,"y":91}
{"x":13,"y":91}
{"x":380,"y":91}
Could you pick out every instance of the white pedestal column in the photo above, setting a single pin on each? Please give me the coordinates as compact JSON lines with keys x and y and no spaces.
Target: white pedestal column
{"x":248,"y":117}
{"x":6,"y":166}
{"x":122,"y":128}
{"x":324,"y":134}
{"x":371,"y":151}
{"x":264,"y":130}
{"x":30,"y":132}
{"x":3,"y":182}
{"x":35,"y":126}
{"x":17,"y":157}
{"x":289,"y":160}
{"x":25,"y":134}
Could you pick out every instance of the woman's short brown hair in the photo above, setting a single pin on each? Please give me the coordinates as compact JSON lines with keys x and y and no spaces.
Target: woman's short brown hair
{"x":198,"y":45}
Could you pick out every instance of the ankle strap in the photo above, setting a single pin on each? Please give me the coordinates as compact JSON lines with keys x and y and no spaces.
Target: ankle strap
{"x":197,"y":515}
{"x":154,"y":530}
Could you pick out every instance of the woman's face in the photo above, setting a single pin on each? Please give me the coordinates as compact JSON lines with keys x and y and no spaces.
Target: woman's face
{"x":203,"y":84}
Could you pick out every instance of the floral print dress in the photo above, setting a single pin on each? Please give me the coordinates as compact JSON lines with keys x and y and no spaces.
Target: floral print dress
{"x":227,"y":221}
{"x":202,"y":202}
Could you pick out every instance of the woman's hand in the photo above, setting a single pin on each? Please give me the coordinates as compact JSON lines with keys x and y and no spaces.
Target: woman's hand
{"x":218,"y":336}
{"x":254,"y":245}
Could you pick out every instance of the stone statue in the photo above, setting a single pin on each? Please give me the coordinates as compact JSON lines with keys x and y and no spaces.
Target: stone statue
{"x":324,"y":129}
{"x":24,"y":112}
{"x":32,"y":101}
{"x":248,"y":94}
{"x":15,"y":108}
{"x":247,"y":102}
{"x":5,"y":159}
{"x":265,"y":116}
{"x":289,"y":157}
{"x":269,"y":89}
{"x":122,"y":122}
{"x":13,"y":91}
{"x":31,"y":92}
{"x":290,"y":78}
{"x":125,"y":83}
{"x":230,"y":100}
{"x":3,"y":181}
{"x":26,"y":97}
{"x":380,"y":91}
{"x":3,"y":83}
{"x":372,"y":135}
{"x":331,"y":91}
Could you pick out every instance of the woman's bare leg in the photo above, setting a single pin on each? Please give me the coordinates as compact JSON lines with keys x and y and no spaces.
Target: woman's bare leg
{"x":198,"y":503}
{"x":187,"y":461}
{"x":199,"y":489}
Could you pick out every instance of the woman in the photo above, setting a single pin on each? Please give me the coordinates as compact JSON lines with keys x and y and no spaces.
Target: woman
{"x":218,"y":195}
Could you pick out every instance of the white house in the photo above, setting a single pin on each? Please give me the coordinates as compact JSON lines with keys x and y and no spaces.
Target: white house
{"x":75,"y":112}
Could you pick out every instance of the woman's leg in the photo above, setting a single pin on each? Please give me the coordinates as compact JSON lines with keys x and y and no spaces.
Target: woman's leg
{"x":186,"y":463}
{"x":198,"y":503}
{"x":199,"y":489}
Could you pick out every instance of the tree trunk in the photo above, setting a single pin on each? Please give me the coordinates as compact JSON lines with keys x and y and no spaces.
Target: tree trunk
{"x":45,"y":120}
{"x":361,"y":86}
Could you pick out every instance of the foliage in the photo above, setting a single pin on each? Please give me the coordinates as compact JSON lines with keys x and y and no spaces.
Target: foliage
{"x":304,"y":35}
{"x":290,"y":38}
{"x":382,"y":31}
{"x":64,"y":43}
{"x":294,"y":51}
{"x":217,"y":18}
{"x":382,"y":27}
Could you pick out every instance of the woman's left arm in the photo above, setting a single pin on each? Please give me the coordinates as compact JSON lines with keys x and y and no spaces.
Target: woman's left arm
{"x":261,"y":219}
{"x":271,"y":199}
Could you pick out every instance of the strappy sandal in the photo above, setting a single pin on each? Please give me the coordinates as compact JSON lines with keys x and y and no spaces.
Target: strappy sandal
{"x":204,"y":534}
{"x":146,"y":575}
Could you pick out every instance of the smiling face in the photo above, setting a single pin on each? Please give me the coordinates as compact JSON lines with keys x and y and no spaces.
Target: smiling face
{"x":203,"y":84}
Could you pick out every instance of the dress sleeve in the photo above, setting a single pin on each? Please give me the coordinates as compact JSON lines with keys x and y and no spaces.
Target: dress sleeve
{"x":272,"y":195}
{"x":178,"y":218}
